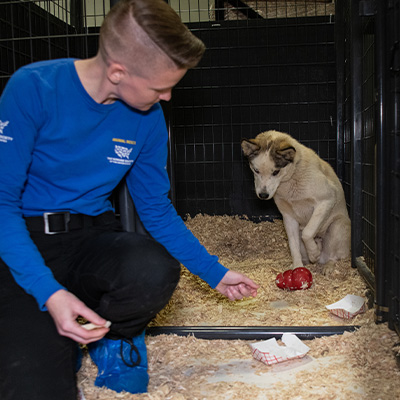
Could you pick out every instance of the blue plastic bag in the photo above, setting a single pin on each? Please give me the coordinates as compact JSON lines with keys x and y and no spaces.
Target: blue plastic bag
{"x":122,"y":364}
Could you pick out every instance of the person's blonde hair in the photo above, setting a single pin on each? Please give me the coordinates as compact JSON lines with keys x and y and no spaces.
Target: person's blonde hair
{"x":140,"y":32}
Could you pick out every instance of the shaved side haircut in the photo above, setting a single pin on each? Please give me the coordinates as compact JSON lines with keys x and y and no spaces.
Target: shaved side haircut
{"x":143,"y":34}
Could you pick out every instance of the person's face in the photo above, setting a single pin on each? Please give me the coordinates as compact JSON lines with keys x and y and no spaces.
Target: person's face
{"x":142,"y":93}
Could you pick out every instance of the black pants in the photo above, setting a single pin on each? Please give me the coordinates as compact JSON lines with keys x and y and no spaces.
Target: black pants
{"x":126,"y":278}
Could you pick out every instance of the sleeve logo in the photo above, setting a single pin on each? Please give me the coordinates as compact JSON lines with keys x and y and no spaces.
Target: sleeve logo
{"x":3,"y":138}
{"x":3,"y":125}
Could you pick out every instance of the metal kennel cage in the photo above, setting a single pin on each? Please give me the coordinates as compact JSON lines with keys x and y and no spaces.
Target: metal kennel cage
{"x":369,"y":154}
{"x":41,"y":30}
{"x":327,"y":72}
{"x":269,"y":65}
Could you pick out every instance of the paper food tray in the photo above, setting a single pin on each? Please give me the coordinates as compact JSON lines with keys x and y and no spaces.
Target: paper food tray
{"x":348,"y":307}
{"x":270,"y":352}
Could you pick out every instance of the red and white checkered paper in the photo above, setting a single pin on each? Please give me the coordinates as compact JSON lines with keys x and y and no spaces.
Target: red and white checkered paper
{"x":268,"y":358}
{"x":346,"y":314}
{"x":348,"y":307}
{"x":269,"y":352}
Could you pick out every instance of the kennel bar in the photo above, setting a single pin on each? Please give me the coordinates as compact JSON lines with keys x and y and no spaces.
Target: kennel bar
{"x":381,"y":205}
{"x":340,"y":82}
{"x":344,"y":95}
{"x":356,"y":130}
{"x":369,"y":136}
{"x":249,"y":332}
{"x":393,"y":130}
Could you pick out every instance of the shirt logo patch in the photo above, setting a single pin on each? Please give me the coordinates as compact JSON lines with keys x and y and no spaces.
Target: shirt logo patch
{"x":123,"y":153}
{"x":3,"y":138}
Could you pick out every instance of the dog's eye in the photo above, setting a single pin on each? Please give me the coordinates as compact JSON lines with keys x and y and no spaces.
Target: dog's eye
{"x":256,"y":171}
{"x":276,"y":172}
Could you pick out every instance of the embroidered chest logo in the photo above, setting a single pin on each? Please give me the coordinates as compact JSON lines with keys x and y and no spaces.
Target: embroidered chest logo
{"x":122,"y":152}
{"x":3,"y":138}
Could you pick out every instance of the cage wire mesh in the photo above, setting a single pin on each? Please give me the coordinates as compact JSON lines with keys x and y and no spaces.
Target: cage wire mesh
{"x":394,"y":157}
{"x":356,"y":98}
{"x":369,"y":99}
{"x":42,"y":30}
{"x":345,"y":103}
{"x":368,"y":143}
{"x":217,"y":10}
{"x":268,"y":65}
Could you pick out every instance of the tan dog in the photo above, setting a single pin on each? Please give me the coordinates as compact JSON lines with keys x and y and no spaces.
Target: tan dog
{"x":308,"y":194}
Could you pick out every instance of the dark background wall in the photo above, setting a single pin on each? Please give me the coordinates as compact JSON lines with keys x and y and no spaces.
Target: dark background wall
{"x":256,"y":75}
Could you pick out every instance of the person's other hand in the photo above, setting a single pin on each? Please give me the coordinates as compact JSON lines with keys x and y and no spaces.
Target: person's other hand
{"x":64,"y":307}
{"x":235,"y":286}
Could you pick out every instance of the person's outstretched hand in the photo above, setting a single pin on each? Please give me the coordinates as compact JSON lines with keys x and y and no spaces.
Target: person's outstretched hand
{"x":235,"y":286}
{"x":64,"y":307}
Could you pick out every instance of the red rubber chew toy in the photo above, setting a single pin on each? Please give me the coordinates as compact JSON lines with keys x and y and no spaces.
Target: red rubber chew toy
{"x":294,"y":279}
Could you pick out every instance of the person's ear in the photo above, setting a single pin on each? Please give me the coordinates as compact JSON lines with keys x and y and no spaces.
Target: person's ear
{"x":115,"y":73}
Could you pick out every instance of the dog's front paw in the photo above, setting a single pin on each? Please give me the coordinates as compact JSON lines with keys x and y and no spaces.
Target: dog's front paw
{"x":314,"y":259}
{"x":313,"y":249}
{"x":313,"y":255}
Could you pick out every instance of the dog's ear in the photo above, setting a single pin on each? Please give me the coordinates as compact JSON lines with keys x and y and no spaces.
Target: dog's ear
{"x":284,"y":154}
{"x":250,"y":147}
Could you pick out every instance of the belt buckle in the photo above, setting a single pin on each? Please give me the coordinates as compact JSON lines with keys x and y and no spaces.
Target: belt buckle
{"x":46,"y":216}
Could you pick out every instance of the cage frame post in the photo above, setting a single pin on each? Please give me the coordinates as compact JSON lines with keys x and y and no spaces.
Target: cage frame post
{"x":340,"y":78}
{"x":356,"y":131}
{"x":381,"y":203}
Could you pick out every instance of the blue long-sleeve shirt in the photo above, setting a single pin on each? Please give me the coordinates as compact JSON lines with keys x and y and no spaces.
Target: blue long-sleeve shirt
{"x":62,"y":151}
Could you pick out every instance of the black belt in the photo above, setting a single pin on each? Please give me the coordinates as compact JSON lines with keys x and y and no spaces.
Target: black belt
{"x":53,"y":223}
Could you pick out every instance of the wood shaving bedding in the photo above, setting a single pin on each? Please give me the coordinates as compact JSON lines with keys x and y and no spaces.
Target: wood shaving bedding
{"x":356,"y":365}
{"x":360,"y":366}
{"x":261,"y":251}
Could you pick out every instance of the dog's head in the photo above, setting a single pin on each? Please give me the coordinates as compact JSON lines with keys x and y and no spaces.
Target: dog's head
{"x":271,"y":155}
